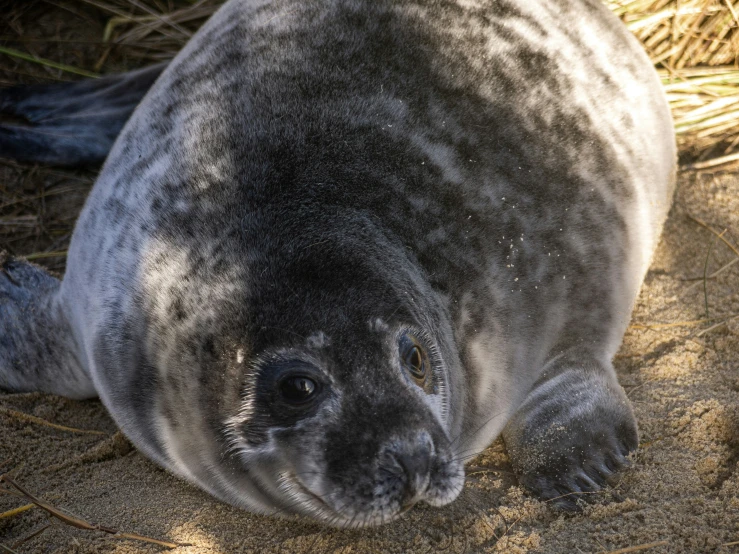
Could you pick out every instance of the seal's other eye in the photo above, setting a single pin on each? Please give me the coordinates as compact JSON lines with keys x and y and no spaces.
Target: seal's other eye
{"x":298,"y":389}
{"x":416,"y":365}
{"x":415,"y":361}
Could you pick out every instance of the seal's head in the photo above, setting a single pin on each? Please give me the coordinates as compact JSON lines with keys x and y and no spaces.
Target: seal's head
{"x":322,"y":381}
{"x":351,"y":415}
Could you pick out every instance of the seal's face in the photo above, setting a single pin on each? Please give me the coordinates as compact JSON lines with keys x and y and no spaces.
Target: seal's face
{"x":353,"y":435}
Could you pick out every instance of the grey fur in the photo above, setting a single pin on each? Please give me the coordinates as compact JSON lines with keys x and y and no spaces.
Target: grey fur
{"x":308,"y":183}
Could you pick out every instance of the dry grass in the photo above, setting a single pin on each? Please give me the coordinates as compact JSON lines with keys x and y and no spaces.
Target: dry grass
{"x":695,"y":46}
{"x":14,"y":489}
{"x":152,"y":30}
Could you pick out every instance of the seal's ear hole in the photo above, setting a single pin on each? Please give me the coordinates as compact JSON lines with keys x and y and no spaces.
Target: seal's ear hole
{"x":415,"y":362}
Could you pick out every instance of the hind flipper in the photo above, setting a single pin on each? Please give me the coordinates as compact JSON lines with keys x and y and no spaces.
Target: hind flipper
{"x":37,"y":347}
{"x":70,"y":124}
{"x":574,"y":431}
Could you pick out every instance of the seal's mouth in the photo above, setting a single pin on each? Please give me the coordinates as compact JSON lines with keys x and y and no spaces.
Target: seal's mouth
{"x":310,"y":494}
{"x":319,"y":508}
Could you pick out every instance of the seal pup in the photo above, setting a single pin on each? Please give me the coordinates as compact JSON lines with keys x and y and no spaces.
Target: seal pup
{"x":339,"y":247}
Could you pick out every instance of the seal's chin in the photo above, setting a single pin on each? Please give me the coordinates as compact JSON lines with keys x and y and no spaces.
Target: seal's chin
{"x":340,"y":511}
{"x":318,"y":508}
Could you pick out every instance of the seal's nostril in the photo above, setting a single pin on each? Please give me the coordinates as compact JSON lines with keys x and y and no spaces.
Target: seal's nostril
{"x":414,"y":458}
{"x":415,"y":464}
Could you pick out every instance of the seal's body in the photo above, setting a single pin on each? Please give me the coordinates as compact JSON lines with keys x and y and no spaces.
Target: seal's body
{"x":341,"y":246}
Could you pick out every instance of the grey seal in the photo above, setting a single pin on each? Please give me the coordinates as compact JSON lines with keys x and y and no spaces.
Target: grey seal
{"x":339,"y":247}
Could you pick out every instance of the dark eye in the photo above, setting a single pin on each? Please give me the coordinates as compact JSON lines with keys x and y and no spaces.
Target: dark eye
{"x":298,"y":389}
{"x":416,"y":364}
{"x":415,"y":361}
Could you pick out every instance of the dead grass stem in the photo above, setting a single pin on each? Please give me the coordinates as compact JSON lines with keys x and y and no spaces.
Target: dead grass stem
{"x":79,"y":523}
{"x":39,"y":421}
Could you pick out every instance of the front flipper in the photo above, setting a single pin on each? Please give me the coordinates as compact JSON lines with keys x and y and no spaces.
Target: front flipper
{"x":37,"y":347}
{"x":573,"y":432}
{"x":70,"y":124}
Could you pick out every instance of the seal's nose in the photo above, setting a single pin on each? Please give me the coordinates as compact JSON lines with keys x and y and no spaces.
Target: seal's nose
{"x":415,"y":464}
{"x":414,"y":458}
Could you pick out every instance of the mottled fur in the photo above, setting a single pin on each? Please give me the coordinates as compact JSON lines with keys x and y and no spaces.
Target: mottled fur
{"x":310,"y":180}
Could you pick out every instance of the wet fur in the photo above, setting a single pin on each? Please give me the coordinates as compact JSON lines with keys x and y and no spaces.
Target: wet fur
{"x":492,"y":174}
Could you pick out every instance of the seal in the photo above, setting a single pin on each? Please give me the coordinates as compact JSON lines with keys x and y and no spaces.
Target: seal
{"x":339,"y":247}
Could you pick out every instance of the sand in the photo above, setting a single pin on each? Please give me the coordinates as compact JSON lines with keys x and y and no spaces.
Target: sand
{"x":683,"y":379}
